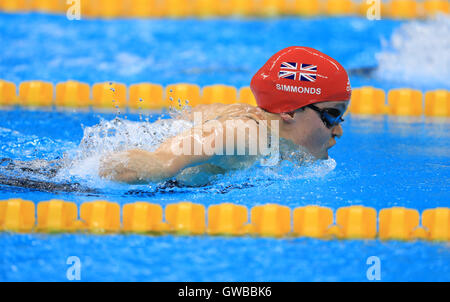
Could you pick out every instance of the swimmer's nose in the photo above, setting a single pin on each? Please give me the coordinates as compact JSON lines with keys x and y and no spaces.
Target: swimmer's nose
{"x":337,"y":131}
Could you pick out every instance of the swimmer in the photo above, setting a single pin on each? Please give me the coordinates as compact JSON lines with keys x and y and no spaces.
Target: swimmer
{"x":300,"y":89}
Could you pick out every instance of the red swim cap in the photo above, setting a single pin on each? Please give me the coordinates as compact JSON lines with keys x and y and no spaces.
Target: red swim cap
{"x":299,"y":76}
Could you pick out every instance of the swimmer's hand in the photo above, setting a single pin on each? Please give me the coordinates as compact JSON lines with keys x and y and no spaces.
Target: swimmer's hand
{"x":133,"y":167}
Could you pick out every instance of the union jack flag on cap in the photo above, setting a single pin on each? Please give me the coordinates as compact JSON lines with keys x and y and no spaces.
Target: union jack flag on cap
{"x":290,"y":70}
{"x":307,"y":74}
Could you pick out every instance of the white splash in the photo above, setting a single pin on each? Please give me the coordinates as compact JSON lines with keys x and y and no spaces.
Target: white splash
{"x":418,"y":53}
{"x":114,"y":136}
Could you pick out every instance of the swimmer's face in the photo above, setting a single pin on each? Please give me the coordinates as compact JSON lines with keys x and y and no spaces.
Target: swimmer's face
{"x":309,"y":131}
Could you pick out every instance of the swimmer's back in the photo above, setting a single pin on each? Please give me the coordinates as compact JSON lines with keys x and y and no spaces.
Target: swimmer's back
{"x":224,"y":112}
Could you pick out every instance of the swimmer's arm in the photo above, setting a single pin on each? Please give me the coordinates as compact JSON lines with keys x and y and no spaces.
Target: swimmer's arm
{"x":134,"y":166}
{"x":140,"y":166}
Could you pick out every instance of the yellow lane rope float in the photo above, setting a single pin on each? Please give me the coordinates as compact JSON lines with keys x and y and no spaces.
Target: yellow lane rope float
{"x":399,"y":9}
{"x":226,"y":219}
{"x":148,"y":96}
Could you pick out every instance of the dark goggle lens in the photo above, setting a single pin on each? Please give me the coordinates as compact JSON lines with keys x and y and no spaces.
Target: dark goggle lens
{"x":332,"y":116}
{"x":333,"y":112}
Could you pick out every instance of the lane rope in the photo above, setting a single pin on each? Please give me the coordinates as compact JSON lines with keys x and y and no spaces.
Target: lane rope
{"x":149,"y":96}
{"x":226,"y":219}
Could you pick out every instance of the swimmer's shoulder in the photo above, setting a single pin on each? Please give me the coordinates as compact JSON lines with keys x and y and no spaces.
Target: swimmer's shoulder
{"x":223,"y":112}
{"x":239,"y":111}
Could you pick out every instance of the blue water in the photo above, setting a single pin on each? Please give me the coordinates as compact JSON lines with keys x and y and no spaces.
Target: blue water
{"x":205,"y":52}
{"x":380,"y":162}
{"x":168,"y":258}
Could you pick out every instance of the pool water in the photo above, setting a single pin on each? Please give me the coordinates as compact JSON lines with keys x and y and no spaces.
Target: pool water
{"x":379,"y":162}
{"x":211,"y":51}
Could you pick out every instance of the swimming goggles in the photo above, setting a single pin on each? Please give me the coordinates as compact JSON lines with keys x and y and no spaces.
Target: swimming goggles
{"x":330,"y":116}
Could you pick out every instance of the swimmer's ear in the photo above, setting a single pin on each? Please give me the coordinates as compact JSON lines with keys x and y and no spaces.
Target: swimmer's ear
{"x":288,"y":117}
